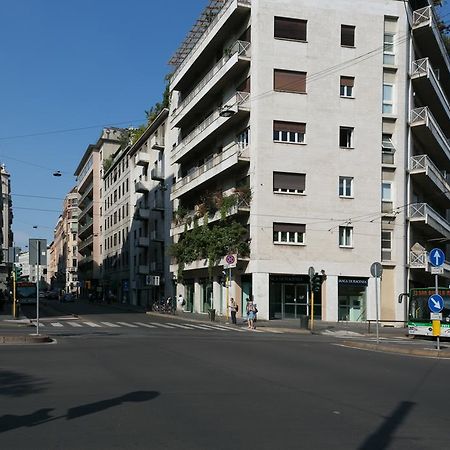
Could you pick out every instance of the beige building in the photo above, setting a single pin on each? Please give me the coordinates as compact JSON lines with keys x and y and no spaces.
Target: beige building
{"x":6,"y":218}
{"x":89,"y":175}
{"x":325,"y":150}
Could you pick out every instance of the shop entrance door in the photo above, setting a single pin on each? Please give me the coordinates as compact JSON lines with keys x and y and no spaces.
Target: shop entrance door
{"x":294,"y":301}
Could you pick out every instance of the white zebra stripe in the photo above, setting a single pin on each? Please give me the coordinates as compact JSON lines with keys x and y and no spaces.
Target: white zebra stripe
{"x":92,"y":324}
{"x":145,"y":324}
{"x":55,"y":324}
{"x":163,"y":325}
{"x":110,"y":324}
{"x":181,"y":326}
{"x":75,"y":324}
{"x":126,"y":324}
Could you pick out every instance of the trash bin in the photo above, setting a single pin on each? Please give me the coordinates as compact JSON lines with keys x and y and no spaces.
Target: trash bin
{"x":212,"y":315}
{"x":304,"y":320}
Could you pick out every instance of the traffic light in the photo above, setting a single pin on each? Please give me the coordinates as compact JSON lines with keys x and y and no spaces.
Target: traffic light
{"x":18,"y":270}
{"x":316,"y":283}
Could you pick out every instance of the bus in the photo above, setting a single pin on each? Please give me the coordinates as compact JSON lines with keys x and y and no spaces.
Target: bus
{"x":419,"y":322}
{"x":26,"y":292}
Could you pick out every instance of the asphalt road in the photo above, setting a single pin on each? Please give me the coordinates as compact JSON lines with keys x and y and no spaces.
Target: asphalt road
{"x":174,"y":388}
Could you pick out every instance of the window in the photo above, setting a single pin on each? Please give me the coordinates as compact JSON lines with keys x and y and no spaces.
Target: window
{"x":345,"y":187}
{"x":291,"y":183}
{"x":288,"y":233}
{"x":287,"y":28}
{"x":388,"y":98}
{"x":291,"y":132}
{"x":289,"y":81}
{"x":347,"y":84}
{"x":386,"y":191}
{"x":243,"y":138}
{"x":345,"y":137}
{"x":387,"y":148}
{"x":388,"y":49}
{"x":345,"y":236}
{"x":347,"y":35}
{"x":386,"y":245}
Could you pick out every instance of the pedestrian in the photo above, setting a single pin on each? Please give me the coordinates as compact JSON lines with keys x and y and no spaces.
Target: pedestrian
{"x":251,"y":314}
{"x":233,"y":310}
{"x":181,"y":302}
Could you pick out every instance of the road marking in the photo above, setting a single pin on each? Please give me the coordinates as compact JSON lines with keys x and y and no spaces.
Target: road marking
{"x":110,"y":324}
{"x":75,"y":324}
{"x":181,"y":326}
{"x":56,"y":324}
{"x":92,"y":324}
{"x":40,"y":324}
{"x":126,"y":324}
{"x":145,"y":324}
{"x":200,"y":327}
{"x":157,"y":324}
{"x":216,"y":327}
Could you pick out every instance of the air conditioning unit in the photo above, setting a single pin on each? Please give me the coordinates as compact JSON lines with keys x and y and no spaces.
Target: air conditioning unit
{"x":152,"y":280}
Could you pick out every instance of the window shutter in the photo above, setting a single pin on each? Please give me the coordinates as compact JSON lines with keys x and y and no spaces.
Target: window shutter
{"x":288,"y":28}
{"x":289,"y":81}
{"x":347,"y":81}
{"x":291,"y":227}
{"x":284,"y":180}
{"x":295,"y":127}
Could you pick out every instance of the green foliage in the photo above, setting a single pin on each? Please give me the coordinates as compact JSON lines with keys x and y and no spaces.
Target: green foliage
{"x":228,"y":203}
{"x":211,"y":243}
{"x":107,"y":163}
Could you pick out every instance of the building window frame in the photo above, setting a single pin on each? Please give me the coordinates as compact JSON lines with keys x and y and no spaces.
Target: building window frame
{"x":348,"y":36}
{"x":388,"y":98}
{"x":289,"y":234}
{"x":346,"y":187}
{"x":289,"y":132}
{"x":345,"y":237}
{"x":389,"y":49}
{"x":300,"y":25}
{"x":386,"y":245}
{"x":346,"y":137}
{"x":347,"y":87}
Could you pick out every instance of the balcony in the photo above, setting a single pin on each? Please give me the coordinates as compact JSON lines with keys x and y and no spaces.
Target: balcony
{"x":142,"y":214}
{"x":198,"y":42}
{"x":426,"y":174}
{"x":428,"y":37}
{"x":142,"y":185}
{"x":157,"y":174}
{"x":85,"y":228}
{"x":238,"y":104}
{"x":426,"y":83}
{"x":213,"y":167}
{"x":143,"y":242}
{"x":85,"y":260}
{"x":157,"y":142}
{"x":431,"y":222}
{"x":237,"y":57}
{"x":85,"y":243}
{"x":425,"y":127}
{"x":86,"y":209}
{"x":141,"y":158}
{"x":187,"y":223}
{"x":88,"y":191}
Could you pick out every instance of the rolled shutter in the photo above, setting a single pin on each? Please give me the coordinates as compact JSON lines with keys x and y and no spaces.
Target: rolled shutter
{"x":347,"y":81}
{"x":291,"y":227}
{"x":284,"y":180}
{"x":288,"y":28}
{"x":289,"y":81}
{"x":295,"y":127}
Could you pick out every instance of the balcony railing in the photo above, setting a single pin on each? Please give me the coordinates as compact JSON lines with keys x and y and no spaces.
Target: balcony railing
{"x":423,"y":211}
{"x":157,"y":174}
{"x":242,"y":48}
{"x":226,"y":5}
{"x":141,"y":158}
{"x":142,"y":184}
{"x":418,"y":259}
{"x":208,"y":165}
{"x":84,"y":227}
{"x":423,"y":162}
{"x":232,"y":104}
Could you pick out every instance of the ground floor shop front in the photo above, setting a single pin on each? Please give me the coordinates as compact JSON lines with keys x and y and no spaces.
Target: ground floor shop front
{"x":284,"y":296}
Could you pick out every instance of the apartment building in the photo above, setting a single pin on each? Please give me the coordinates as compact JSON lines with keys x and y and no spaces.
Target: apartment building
{"x":149,"y":232}
{"x":6,"y":217}
{"x":89,"y":175}
{"x":64,"y":248}
{"x":327,"y":152}
{"x":115,"y":213}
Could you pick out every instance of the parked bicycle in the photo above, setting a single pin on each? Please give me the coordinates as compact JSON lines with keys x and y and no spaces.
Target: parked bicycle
{"x":164,"y":306}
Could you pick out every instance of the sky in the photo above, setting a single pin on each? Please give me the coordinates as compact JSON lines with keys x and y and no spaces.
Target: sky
{"x":68,"y":69}
{"x":77,"y":66}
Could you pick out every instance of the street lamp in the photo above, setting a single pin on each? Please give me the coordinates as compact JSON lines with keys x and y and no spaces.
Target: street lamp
{"x":57,"y":173}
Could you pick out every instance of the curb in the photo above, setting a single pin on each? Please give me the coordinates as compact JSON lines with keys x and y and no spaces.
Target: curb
{"x":431,"y":353}
{"x":24,"y":339}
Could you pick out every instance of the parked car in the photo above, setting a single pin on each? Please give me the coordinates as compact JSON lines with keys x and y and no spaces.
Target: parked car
{"x":52,"y":295}
{"x":69,"y":297}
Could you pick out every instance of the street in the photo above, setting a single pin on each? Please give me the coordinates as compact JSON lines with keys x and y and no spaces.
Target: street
{"x":168,"y":387}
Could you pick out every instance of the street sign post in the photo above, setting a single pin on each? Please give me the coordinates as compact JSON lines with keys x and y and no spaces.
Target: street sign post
{"x":229,"y":263}
{"x":436,"y":305}
{"x":376,"y":270}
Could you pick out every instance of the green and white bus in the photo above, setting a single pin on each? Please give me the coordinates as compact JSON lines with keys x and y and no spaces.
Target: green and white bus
{"x":419,"y":322}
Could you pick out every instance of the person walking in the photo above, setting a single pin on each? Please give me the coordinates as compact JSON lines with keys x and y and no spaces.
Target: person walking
{"x":233,"y":310}
{"x":181,"y":302}
{"x":251,"y":314}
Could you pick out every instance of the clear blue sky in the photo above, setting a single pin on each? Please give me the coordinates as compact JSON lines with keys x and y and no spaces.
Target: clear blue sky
{"x":77,"y":65}
{"x":68,"y":65}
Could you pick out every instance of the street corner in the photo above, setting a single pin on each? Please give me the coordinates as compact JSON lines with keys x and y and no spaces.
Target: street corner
{"x":13,"y":339}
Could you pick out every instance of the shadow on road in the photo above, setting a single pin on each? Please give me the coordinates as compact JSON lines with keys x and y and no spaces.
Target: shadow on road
{"x":10,"y":422}
{"x":15,"y":384}
{"x":381,"y":438}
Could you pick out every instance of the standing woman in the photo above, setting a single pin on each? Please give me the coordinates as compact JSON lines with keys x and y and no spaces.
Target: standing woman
{"x":250,"y":314}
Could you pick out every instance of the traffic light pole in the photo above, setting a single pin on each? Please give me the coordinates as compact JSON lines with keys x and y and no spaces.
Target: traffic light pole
{"x":312,"y":310}
{"x":37,"y":285}
{"x":14,"y":306}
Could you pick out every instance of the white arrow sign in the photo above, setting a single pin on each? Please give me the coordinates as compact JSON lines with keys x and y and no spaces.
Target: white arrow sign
{"x":436,"y":304}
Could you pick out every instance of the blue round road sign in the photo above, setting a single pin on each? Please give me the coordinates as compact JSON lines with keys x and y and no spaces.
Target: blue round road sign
{"x":436,"y":257}
{"x":436,"y":303}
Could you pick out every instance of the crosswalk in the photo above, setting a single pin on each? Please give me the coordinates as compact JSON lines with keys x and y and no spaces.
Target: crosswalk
{"x":147,"y":325}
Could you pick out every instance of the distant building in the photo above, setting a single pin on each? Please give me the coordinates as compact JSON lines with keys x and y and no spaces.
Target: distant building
{"x":6,"y":218}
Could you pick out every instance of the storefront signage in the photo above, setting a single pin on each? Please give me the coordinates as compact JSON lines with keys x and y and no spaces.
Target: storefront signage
{"x":289,"y":278}
{"x":353,"y":281}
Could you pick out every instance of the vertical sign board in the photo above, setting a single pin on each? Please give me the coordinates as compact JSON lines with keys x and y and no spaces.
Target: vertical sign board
{"x":35,"y":247}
